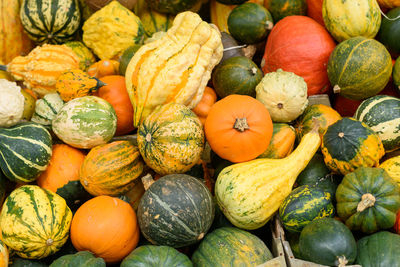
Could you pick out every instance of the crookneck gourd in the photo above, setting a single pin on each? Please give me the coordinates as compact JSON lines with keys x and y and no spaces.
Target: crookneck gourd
{"x":249,"y":193}
{"x":174,"y":68}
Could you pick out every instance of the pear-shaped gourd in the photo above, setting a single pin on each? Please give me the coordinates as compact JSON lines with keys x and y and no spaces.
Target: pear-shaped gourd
{"x":249,"y":193}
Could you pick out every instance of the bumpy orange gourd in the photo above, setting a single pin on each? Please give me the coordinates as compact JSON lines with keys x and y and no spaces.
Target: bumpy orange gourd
{"x":103,"y":68}
{"x":106,"y":226}
{"x":41,"y":68}
{"x":203,"y":107}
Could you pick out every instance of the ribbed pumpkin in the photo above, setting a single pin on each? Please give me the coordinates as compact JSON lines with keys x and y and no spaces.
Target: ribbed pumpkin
{"x":392,"y":167}
{"x":25,"y":151}
{"x":47,"y":108}
{"x":348,"y":144}
{"x":85,"y":122}
{"x":76,"y":83}
{"x":233,"y":245}
{"x":35,"y":222}
{"x":38,"y":72}
{"x":300,"y":45}
{"x":186,"y":55}
{"x":171,"y":139}
{"x":103,"y":68}
{"x":85,"y":55}
{"x":111,"y":169}
{"x":347,"y":19}
{"x":282,"y":142}
{"x":13,"y":40}
{"x":368,"y":200}
{"x":389,"y":29}
{"x":106,"y":31}
{"x":177,"y":210}
{"x":283,"y":8}
{"x":324,"y":115}
{"x":49,"y":21}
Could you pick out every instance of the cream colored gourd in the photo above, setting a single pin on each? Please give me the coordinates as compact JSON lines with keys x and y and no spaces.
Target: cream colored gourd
{"x":392,"y":167}
{"x":284,"y":94}
{"x":249,"y":193}
{"x":47,"y":108}
{"x":11,"y":103}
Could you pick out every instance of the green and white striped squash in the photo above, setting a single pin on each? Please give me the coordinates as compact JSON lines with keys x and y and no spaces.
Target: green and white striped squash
{"x":50,"y":21}
{"x":382,"y":114}
{"x":35,"y":222}
{"x":171,"y":139}
{"x":85,"y":122}
{"x":47,"y":108}
{"x":25,"y":151}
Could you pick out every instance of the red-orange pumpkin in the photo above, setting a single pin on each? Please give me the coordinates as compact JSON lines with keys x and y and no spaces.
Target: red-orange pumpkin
{"x":396,"y":226}
{"x":238,"y":128}
{"x":300,"y":45}
{"x":103,"y":68}
{"x":314,"y":10}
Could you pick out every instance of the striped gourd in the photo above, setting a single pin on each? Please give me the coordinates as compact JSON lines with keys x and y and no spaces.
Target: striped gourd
{"x":345,"y":19}
{"x":111,"y":169}
{"x":303,"y":205}
{"x":13,"y":40}
{"x":392,"y":167}
{"x":25,"y":151}
{"x":85,"y":122}
{"x":38,"y":72}
{"x":382,"y":114}
{"x":171,"y":139}
{"x":35,"y":222}
{"x":47,"y":108}
{"x":4,"y":256}
{"x":86,"y":56}
{"x":50,"y":21}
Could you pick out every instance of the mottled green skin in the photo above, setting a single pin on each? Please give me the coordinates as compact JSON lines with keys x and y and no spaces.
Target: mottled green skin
{"x":379,"y":250}
{"x":375,"y":181}
{"x":323,"y":241}
{"x":160,"y":256}
{"x":236,"y":75}
{"x":283,"y":8}
{"x":25,"y":151}
{"x":172,"y":6}
{"x":79,"y":259}
{"x":396,"y":74}
{"x":382,"y":114}
{"x":303,"y":205}
{"x":19,"y":262}
{"x":361,"y":67}
{"x":177,"y":210}
{"x":250,"y":23}
{"x":230,"y":247}
{"x":390,"y":31}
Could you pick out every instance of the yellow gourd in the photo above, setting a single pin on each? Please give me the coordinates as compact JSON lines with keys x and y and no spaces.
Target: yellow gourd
{"x":249,"y":193}
{"x":392,"y":167}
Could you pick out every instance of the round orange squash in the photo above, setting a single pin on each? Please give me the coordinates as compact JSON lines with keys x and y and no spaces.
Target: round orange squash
{"x":238,"y":128}
{"x":203,"y":107}
{"x":107,"y":227}
{"x":103,"y":68}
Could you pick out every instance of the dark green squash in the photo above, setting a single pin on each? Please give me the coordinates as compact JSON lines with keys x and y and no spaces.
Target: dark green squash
{"x":359,"y":68}
{"x":160,"y":256}
{"x":303,"y":205}
{"x":250,"y":23}
{"x":379,"y":250}
{"x":25,"y":151}
{"x":20,"y":262}
{"x":219,"y":219}
{"x":368,"y":200}
{"x":230,"y":246}
{"x":126,"y":58}
{"x":389,"y":32}
{"x":74,"y":194}
{"x":293,"y":239}
{"x":236,"y":75}
{"x":81,"y":258}
{"x":176,"y":210}
{"x":171,"y":7}
{"x":329,"y":242}
{"x":283,"y":8}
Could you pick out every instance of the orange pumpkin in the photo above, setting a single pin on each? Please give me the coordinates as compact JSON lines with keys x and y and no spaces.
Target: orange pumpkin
{"x":116,"y":94}
{"x":238,"y":128}
{"x":104,"y":68}
{"x":203,"y":107}
{"x":107,"y":227}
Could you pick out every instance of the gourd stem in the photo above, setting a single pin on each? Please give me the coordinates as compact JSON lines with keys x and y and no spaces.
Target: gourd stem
{"x":336,"y":89}
{"x":241,"y":124}
{"x":386,"y":17}
{"x":342,"y":261}
{"x":3,"y":67}
{"x":367,"y":201}
{"x":147,"y":181}
{"x":269,"y":25}
{"x":234,"y":47}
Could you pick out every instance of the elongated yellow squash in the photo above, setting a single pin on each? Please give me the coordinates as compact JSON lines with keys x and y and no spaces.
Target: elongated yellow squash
{"x":249,"y":193}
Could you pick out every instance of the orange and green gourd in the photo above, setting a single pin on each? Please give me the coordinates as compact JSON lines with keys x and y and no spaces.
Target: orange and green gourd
{"x":282,"y":142}
{"x":86,"y":56}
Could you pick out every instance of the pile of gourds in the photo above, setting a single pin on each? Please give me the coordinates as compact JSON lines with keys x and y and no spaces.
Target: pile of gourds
{"x":169,"y":133}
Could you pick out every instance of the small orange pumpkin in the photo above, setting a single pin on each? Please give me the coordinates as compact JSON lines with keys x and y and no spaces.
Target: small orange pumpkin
{"x":238,"y":128}
{"x":103,"y":68}
{"x":107,"y":227}
{"x":203,"y":107}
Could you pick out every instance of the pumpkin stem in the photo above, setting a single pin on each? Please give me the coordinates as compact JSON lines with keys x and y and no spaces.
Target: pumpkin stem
{"x":367,"y":201}
{"x":269,"y":25}
{"x":342,"y":261}
{"x":336,"y":89}
{"x":280,"y":105}
{"x":147,"y":181}
{"x":341,"y":134}
{"x":49,"y":242}
{"x":254,"y":70}
{"x":241,"y":124}
{"x":148,"y":137}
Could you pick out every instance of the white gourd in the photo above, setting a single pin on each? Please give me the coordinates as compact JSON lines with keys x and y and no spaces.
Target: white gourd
{"x":11,"y":103}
